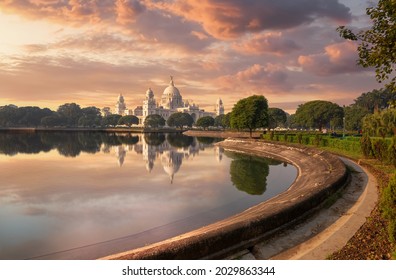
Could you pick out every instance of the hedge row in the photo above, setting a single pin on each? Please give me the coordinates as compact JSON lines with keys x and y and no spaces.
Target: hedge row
{"x":383,"y":149}
{"x":349,"y":144}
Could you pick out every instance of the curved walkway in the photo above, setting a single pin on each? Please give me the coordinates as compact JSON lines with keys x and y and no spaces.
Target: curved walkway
{"x":326,"y":231}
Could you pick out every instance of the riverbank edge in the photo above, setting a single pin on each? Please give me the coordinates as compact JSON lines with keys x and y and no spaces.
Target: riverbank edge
{"x":84,"y":129}
{"x":320,"y":175}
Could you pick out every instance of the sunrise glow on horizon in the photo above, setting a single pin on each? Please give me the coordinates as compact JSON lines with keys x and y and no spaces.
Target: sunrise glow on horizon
{"x":88,"y":52}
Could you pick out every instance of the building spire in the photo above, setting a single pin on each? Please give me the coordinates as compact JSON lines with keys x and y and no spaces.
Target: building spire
{"x":171,"y":81}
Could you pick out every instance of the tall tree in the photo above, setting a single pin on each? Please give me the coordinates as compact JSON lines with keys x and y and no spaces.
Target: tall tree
{"x":71,"y":112}
{"x":250,"y":113}
{"x":318,"y":114}
{"x":377,"y":46}
{"x":376,"y":100}
{"x":353,"y":117}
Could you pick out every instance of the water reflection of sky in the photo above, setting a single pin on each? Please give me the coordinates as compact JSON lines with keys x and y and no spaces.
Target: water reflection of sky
{"x":51,"y":203}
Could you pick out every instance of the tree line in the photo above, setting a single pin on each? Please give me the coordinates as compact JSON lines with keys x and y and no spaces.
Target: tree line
{"x":366,"y":113}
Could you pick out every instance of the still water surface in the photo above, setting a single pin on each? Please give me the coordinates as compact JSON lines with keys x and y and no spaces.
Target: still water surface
{"x":88,"y":195}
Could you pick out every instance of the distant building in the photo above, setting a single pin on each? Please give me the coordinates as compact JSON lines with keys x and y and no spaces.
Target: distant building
{"x":120,"y":106}
{"x":219,"y":109}
{"x":171,"y":102}
{"x":105,"y":111}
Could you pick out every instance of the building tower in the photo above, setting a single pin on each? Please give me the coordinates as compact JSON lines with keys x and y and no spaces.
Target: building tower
{"x":120,"y":106}
{"x":149,"y":104}
{"x":219,"y":109}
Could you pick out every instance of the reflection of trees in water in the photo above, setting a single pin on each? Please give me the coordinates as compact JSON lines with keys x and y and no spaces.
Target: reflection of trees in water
{"x":71,"y":144}
{"x":154,"y":139}
{"x":249,"y":173}
{"x":179,"y":140}
{"x":27,"y":143}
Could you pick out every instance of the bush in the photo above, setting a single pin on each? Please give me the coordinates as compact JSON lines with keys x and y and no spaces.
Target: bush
{"x":367,"y":149}
{"x":389,"y":207}
{"x":392,"y":152}
{"x":299,"y":138}
{"x":380,"y":149}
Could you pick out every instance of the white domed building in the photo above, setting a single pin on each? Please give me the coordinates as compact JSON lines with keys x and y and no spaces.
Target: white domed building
{"x":171,"y":102}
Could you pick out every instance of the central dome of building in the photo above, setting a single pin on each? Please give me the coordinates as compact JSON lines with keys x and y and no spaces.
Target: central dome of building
{"x":171,"y":91}
{"x":171,"y":97}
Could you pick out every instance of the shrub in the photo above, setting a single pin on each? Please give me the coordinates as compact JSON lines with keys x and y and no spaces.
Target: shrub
{"x":380,"y":149}
{"x":366,"y":146}
{"x":299,"y":138}
{"x":392,"y":152}
{"x":389,"y":207}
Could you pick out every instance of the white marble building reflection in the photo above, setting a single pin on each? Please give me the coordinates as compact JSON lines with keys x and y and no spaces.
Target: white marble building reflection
{"x":170,"y":157}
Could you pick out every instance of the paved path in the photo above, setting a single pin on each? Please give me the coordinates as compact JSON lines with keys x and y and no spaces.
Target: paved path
{"x":329,"y":229}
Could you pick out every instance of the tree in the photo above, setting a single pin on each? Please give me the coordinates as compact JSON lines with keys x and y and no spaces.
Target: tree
{"x":353,"y":117}
{"x":71,"y":112}
{"x":53,"y":120}
{"x":111,"y":120}
{"x":128,"y":120}
{"x":154,"y":121}
{"x":205,"y":122}
{"x":377,"y":46}
{"x":376,"y":100}
{"x":380,"y":123}
{"x":277,"y":117}
{"x":250,"y":113}
{"x":91,"y":116}
{"x":249,"y":174}
{"x":318,"y":114}
{"x":180,"y":120}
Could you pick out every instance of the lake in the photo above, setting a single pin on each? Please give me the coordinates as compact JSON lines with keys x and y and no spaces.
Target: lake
{"x":88,"y":195}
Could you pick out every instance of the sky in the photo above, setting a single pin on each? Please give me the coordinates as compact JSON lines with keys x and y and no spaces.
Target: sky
{"x":89,"y":51}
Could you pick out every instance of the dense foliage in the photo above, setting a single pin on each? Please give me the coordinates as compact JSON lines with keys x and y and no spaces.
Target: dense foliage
{"x":377,"y":46}
{"x":319,"y":114}
{"x":180,"y":120}
{"x":154,"y":121}
{"x":128,"y":120}
{"x":250,"y":113}
{"x":276,"y":117}
{"x":205,"y":122}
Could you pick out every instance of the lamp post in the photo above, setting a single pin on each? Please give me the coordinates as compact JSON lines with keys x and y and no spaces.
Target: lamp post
{"x":343,"y":128}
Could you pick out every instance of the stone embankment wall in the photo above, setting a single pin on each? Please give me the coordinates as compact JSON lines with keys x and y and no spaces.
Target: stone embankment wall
{"x":320,"y":174}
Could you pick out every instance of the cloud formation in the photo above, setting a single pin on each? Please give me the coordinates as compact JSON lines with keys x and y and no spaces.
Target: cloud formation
{"x":336,"y":59}
{"x":229,"y":19}
{"x":266,"y":43}
{"x":89,"y":51}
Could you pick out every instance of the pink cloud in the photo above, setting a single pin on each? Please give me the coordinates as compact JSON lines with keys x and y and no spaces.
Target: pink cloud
{"x":257,"y":78}
{"x":336,"y":59}
{"x":229,"y":19}
{"x":127,"y":10}
{"x":266,"y":43}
